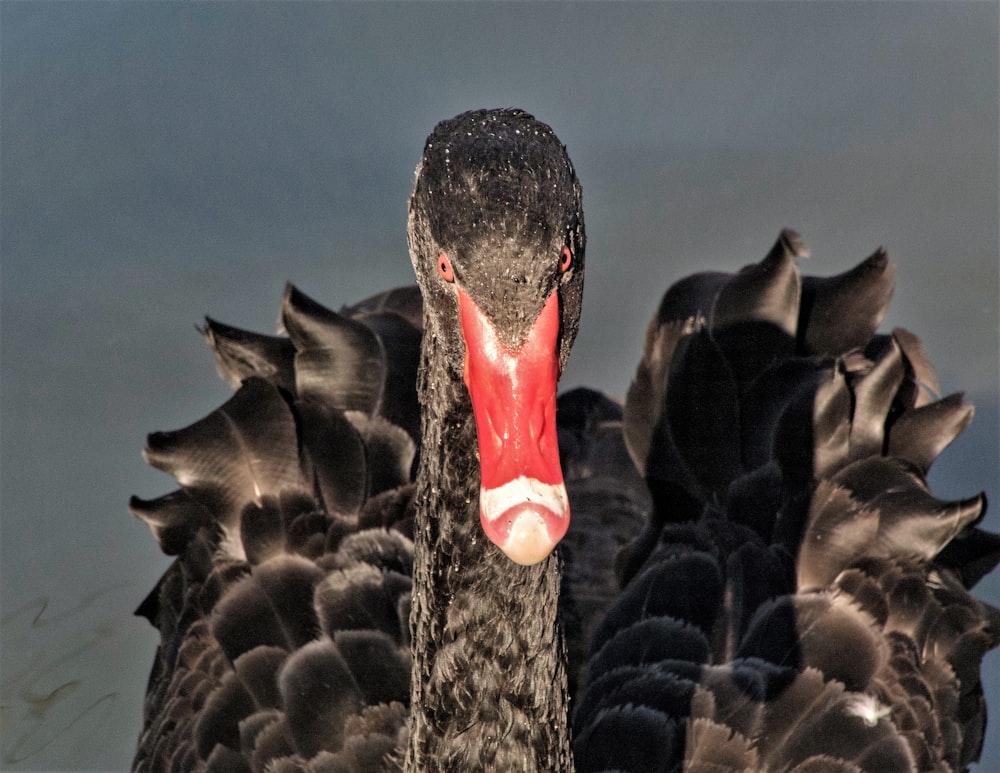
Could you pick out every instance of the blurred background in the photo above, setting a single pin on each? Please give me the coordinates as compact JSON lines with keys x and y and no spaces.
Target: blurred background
{"x":161,"y":161}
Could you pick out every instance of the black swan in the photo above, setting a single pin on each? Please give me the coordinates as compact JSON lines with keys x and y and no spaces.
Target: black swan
{"x":755,"y":577}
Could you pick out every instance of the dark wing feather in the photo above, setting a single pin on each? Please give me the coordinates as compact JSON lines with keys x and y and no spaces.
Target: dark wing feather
{"x":920,"y":435}
{"x":173,"y":518}
{"x":841,"y":313}
{"x":269,"y":657}
{"x":827,"y":586}
{"x":400,"y":339}
{"x":240,"y":354}
{"x":406,"y":301}
{"x":239,"y":453}
{"x":767,"y":291}
{"x":338,"y":362}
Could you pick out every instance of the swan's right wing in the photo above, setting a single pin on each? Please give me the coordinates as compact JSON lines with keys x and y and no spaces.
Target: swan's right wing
{"x":284,"y":618}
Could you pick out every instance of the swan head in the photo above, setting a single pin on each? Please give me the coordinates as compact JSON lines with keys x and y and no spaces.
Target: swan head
{"x":497,"y":238}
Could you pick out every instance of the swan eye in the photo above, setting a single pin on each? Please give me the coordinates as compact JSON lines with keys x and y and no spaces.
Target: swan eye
{"x":444,"y":268}
{"x":565,"y":260}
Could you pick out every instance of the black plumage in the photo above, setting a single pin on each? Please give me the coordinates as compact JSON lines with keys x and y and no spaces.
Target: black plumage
{"x":805,"y":491}
{"x":756,"y":576}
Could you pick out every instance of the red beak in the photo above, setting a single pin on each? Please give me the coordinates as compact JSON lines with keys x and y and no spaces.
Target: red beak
{"x":523,"y":505}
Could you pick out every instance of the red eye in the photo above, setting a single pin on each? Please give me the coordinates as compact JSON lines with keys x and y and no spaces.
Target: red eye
{"x":565,"y":260}
{"x":444,"y":268}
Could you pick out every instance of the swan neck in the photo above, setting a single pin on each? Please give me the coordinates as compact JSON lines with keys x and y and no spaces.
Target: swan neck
{"x":488,"y":685}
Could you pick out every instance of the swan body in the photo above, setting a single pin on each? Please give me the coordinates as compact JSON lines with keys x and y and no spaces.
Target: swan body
{"x":364,"y":576}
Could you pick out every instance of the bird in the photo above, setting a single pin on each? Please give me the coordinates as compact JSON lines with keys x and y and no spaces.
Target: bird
{"x":395,"y":547}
